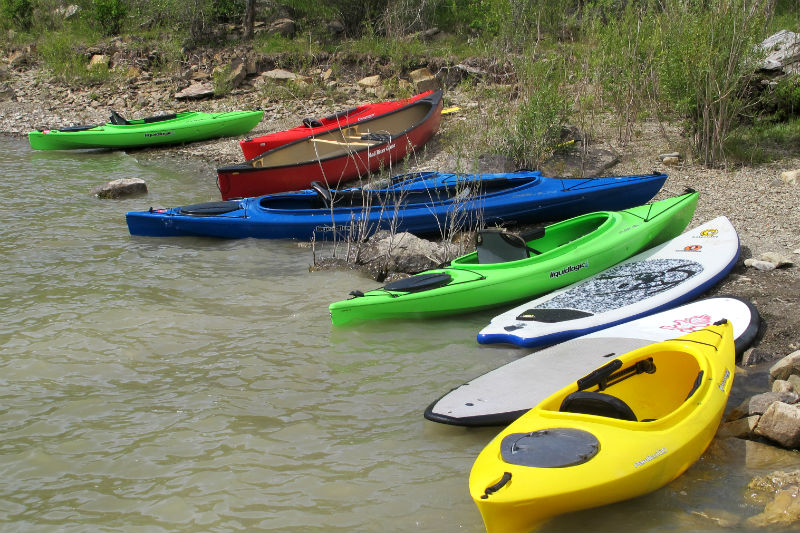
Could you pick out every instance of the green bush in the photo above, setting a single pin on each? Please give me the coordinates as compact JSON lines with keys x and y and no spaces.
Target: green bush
{"x":534,"y":130}
{"x":108,"y":16}
{"x":16,"y":14}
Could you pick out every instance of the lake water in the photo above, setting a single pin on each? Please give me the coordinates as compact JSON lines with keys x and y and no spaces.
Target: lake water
{"x":190,"y":384}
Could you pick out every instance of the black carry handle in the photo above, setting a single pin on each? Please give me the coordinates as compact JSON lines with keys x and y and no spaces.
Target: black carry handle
{"x":598,"y":376}
{"x":497,"y":486}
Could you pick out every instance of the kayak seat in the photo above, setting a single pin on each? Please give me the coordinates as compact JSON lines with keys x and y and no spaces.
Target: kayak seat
{"x":599,"y":404}
{"x":498,"y":246}
{"x":117,"y":119}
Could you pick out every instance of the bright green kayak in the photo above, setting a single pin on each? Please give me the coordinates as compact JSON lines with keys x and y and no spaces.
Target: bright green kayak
{"x":176,"y":128}
{"x":563,"y":253}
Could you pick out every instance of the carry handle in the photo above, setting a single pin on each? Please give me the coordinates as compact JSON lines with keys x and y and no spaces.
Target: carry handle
{"x":497,"y":486}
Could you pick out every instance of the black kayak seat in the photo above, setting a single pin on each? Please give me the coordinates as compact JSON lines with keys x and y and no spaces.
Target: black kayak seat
{"x":420,"y":282}
{"x":598,"y":404}
{"x":209,"y":209}
{"x":498,"y":246}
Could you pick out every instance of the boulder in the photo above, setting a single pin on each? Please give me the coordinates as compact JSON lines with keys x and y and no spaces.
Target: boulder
{"x":776,"y":258}
{"x":758,"y":264}
{"x":285,"y":27}
{"x":370,"y":81}
{"x":98,"y":60}
{"x":783,"y":51}
{"x":741,"y":428}
{"x":791,"y":177}
{"x":120,"y":188}
{"x":195,"y":91}
{"x":234,"y":74}
{"x":423,"y":80}
{"x":781,"y":385}
{"x":280,"y":75}
{"x":759,"y":403}
{"x":780,"y":423}
{"x":400,"y":252}
{"x":786,"y":367}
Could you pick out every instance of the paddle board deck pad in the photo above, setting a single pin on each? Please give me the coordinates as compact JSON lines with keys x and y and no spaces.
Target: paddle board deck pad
{"x":659,"y":278}
{"x":502,"y":395}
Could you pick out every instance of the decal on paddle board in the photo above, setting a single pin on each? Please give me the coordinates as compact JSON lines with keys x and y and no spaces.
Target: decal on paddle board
{"x":687,"y":325}
{"x":622,"y":284}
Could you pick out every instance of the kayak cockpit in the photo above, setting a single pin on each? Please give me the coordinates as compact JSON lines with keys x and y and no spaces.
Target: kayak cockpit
{"x":361,"y":198}
{"x":498,"y":247}
{"x":646,"y":390}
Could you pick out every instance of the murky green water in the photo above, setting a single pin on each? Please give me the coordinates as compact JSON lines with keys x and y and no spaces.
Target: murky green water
{"x":197,"y":385}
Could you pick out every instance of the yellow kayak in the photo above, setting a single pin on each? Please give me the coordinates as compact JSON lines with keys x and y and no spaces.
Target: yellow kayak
{"x":626,"y":429}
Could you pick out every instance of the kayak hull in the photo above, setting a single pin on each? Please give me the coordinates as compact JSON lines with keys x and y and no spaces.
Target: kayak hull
{"x":570,"y":251}
{"x":185,"y":127}
{"x":574,"y":451}
{"x":424,"y":204}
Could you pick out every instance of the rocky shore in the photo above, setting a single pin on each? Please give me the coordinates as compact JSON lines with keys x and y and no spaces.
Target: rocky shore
{"x":763,"y":203}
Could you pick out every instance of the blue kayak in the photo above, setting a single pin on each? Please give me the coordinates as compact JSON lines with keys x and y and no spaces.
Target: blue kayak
{"x":423,"y":203}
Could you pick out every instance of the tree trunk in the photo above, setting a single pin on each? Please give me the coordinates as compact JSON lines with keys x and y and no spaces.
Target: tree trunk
{"x":249,"y":19}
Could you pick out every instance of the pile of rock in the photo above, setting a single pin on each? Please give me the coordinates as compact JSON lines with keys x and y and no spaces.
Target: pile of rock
{"x":773,"y":415}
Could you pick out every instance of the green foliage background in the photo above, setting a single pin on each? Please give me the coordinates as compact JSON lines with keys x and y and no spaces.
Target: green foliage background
{"x":678,"y":60}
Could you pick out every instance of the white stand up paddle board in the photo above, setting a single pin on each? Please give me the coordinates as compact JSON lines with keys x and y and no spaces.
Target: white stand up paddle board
{"x":502,"y":395}
{"x":667,"y":275}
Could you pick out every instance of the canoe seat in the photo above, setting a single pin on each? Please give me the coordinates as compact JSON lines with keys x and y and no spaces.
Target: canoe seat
{"x":599,"y":404}
{"x":498,"y":246}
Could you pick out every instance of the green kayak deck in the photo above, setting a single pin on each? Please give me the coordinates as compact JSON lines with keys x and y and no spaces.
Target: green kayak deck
{"x":566,"y":252}
{"x":183,"y":127}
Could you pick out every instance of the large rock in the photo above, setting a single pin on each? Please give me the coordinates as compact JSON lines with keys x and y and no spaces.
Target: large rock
{"x":423,"y":80}
{"x":783,"y":52}
{"x":280,"y":75}
{"x":195,"y":91}
{"x":780,"y":423}
{"x":370,"y":81}
{"x":234,"y":74}
{"x":786,"y":367}
{"x":285,"y":27}
{"x":791,"y":177}
{"x":121,"y":187}
{"x":402,"y":252}
{"x":759,"y":403}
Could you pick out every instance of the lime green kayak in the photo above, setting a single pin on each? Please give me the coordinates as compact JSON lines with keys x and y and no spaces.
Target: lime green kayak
{"x":183,"y":127}
{"x":503,"y":271}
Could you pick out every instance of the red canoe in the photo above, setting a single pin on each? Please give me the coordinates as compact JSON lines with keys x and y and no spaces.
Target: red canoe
{"x":336,"y":155}
{"x":310,"y":127}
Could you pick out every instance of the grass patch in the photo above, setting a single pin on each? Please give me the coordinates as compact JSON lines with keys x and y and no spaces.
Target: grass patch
{"x":762,"y":143}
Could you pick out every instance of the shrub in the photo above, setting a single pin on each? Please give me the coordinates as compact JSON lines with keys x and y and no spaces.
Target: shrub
{"x":16,"y":14}
{"x":108,"y":16}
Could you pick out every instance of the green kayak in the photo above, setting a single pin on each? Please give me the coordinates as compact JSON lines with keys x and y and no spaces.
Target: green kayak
{"x":506,"y":268}
{"x":183,"y":127}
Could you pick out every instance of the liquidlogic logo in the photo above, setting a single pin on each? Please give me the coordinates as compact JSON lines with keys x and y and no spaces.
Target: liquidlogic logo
{"x":709,"y":232}
{"x":658,"y":453}
{"x":159,"y":134}
{"x":567,"y":270}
